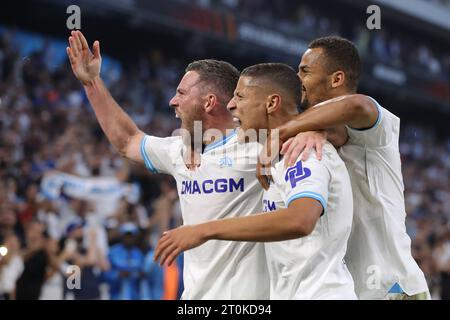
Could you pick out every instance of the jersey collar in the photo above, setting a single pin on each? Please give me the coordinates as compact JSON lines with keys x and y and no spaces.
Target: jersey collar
{"x":221,"y":142}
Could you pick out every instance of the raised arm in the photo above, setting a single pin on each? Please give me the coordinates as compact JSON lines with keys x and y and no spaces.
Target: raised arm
{"x":357,"y":111}
{"x":119,"y":128}
{"x":310,"y":129}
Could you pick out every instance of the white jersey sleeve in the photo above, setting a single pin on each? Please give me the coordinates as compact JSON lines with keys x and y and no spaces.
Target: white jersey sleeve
{"x":159,"y":154}
{"x":305,"y":179}
{"x":380,"y":134}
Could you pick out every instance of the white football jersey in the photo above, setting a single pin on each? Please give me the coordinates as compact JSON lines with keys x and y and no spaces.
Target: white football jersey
{"x":224,"y":186}
{"x":379,"y":250}
{"x":312,"y":267}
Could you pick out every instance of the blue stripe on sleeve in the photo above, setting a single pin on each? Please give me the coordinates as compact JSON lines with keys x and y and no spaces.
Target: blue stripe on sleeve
{"x":308,"y":194}
{"x":147,"y":161}
{"x":380,"y":114}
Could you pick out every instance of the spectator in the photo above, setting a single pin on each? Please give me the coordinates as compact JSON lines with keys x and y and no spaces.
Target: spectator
{"x":11,"y":267}
{"x":442,"y":257}
{"x":153,"y":281}
{"x":53,"y":287}
{"x":29,"y":284}
{"x":87,"y":260}
{"x":126,"y":261}
{"x":8,"y":220}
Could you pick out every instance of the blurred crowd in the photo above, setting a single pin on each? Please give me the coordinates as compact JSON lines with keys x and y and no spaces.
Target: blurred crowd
{"x":58,"y":242}
{"x":309,"y":19}
{"x":445,"y":3}
{"x":61,"y":183}
{"x":426,"y":174}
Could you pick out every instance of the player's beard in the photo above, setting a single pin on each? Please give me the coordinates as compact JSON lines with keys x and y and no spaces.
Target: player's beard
{"x":192,"y":137}
{"x":305,"y":104}
{"x":193,"y":132}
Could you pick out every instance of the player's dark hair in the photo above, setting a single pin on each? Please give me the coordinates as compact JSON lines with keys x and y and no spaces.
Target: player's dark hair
{"x":222,"y":75}
{"x":341,"y":54}
{"x":280,"y":75}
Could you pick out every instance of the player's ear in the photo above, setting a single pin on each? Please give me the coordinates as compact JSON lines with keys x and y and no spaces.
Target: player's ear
{"x":337,"y":79}
{"x":210,"y":103}
{"x":273,"y":103}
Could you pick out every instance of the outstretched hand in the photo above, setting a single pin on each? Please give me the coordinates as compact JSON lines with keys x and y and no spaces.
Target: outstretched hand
{"x":85,"y":64}
{"x":175,"y":241}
